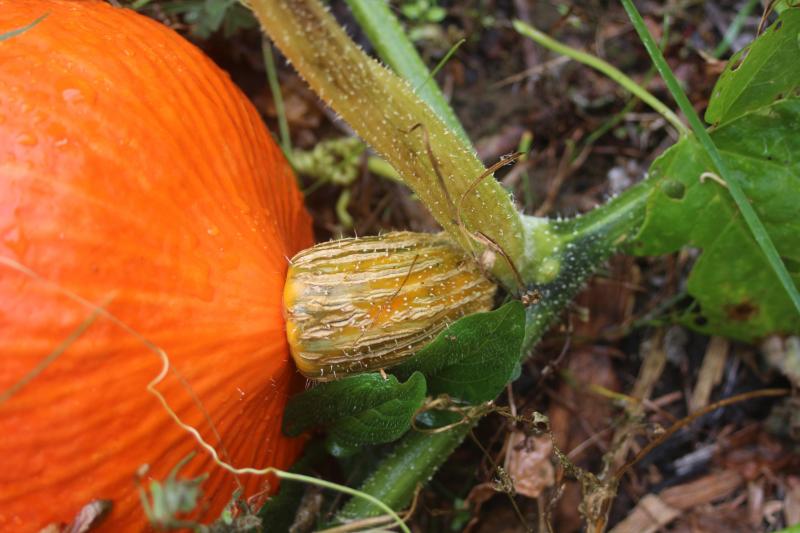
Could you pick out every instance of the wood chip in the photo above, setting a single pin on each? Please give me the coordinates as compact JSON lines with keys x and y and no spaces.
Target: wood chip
{"x":791,"y":504}
{"x":710,"y":374}
{"x":657,"y":511}
{"x":755,"y":501}
{"x":771,"y":510}
{"x":650,"y":515}
{"x":704,"y":490}
{"x":654,"y":352}
{"x":784,"y":354}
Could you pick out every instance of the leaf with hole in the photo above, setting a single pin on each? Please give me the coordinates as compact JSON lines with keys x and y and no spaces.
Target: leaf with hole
{"x":760,"y":73}
{"x":738,"y":293}
{"x":357,"y":410}
{"x":474,"y":358}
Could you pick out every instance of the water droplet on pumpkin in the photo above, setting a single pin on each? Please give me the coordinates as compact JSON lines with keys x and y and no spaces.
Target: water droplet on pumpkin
{"x":76,"y":91}
{"x":72,"y":95}
{"x":213,"y":231}
{"x":54,"y":131}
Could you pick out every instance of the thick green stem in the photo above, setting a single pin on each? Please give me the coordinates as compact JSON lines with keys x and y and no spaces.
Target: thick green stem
{"x":384,"y":110}
{"x":414,"y":460}
{"x":583,"y":244}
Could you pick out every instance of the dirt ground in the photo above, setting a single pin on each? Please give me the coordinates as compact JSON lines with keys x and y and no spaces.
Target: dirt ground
{"x":615,"y":372}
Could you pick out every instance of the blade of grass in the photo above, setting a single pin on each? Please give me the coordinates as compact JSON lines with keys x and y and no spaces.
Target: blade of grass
{"x":277,"y":97}
{"x":441,"y":63}
{"x":14,"y":33}
{"x":734,"y":29}
{"x":57,"y":352}
{"x":633,"y":101}
{"x":748,"y":213}
{"x":139,"y":4}
{"x":524,"y":147}
{"x":393,"y":46}
{"x":605,"y":68}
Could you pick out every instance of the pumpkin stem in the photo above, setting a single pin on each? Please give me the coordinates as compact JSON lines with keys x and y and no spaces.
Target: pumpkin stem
{"x":383,"y":108}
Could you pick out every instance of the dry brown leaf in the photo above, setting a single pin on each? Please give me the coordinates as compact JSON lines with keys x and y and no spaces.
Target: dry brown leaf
{"x":608,"y":300}
{"x":528,"y":463}
{"x":577,"y":412}
{"x":480,"y":494}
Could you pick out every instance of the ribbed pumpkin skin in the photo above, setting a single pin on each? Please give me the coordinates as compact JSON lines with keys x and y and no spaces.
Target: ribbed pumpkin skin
{"x":134,"y":174}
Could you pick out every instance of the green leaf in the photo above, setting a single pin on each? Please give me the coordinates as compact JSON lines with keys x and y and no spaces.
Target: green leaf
{"x":738,"y":293}
{"x":764,"y":71}
{"x":475,"y":357}
{"x":358,"y":410}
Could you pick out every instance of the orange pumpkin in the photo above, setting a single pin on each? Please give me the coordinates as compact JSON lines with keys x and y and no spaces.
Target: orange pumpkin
{"x":134,"y":175}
